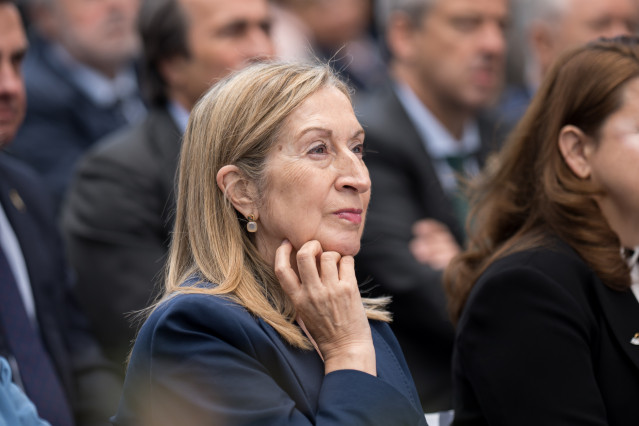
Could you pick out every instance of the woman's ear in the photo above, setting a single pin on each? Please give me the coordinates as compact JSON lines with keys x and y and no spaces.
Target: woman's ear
{"x":575,"y":147}
{"x":241,"y":192}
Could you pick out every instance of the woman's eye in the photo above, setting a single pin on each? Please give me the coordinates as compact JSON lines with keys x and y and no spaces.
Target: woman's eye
{"x":318,"y":149}
{"x":359,"y":149}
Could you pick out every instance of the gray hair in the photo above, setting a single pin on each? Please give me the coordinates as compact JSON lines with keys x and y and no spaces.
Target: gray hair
{"x":531,"y":11}
{"x":385,"y":9}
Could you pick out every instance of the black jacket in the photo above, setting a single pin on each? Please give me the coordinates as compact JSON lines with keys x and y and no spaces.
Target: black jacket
{"x":542,"y":341}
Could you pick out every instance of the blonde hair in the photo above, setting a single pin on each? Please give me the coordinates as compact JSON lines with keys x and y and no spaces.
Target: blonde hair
{"x":238,"y":122}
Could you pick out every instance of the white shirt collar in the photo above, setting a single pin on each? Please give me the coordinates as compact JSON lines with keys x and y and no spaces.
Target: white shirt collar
{"x":179,"y":114}
{"x":439,"y":142}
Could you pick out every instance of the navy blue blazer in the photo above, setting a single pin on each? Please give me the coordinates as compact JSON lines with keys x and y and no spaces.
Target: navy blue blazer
{"x":205,"y":360}
{"x":542,"y":341}
{"x":90,"y":381}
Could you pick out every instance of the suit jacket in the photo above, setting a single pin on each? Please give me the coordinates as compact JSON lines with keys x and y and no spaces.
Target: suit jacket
{"x":89,"y":379}
{"x":405,"y":188}
{"x":202,"y":359}
{"x":117,"y":221}
{"x":61,"y":112}
{"x":543,"y":341}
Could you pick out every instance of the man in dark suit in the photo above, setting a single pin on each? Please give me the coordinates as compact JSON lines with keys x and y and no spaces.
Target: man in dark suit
{"x":42,"y":333}
{"x":81,"y":83}
{"x":119,"y":212}
{"x":423,"y":130}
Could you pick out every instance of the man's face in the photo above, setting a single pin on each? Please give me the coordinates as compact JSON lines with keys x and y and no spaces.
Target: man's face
{"x":13,"y":46}
{"x":222,"y":35}
{"x":582,"y":21}
{"x":100,"y":33}
{"x":458,"y":52}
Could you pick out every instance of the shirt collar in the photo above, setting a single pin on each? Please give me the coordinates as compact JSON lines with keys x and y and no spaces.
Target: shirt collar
{"x":179,"y":114}
{"x":102,"y":90}
{"x":439,"y":142}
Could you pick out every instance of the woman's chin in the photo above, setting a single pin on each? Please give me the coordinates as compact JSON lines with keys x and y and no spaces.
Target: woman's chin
{"x":342,"y":248}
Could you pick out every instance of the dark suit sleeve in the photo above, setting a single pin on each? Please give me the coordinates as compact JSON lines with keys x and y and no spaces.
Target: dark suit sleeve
{"x":205,"y":370}
{"x":420,"y":319}
{"x":116,"y":239}
{"x":523,"y":355}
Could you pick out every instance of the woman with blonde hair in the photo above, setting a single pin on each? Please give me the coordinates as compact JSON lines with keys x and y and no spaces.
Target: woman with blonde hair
{"x":547,"y":315}
{"x":261,"y":321}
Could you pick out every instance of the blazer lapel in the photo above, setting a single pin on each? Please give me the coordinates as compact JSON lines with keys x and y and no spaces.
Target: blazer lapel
{"x":621,"y":310}
{"x":307,"y":368}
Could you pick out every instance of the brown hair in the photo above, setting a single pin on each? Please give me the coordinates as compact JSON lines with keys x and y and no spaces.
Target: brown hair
{"x":238,"y":122}
{"x":530,"y":191}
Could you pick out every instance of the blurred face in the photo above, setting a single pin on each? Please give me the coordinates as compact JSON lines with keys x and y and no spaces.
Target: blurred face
{"x":614,"y":166}
{"x":100,"y":33}
{"x":13,"y":45}
{"x":458,"y":52}
{"x":335,"y":22}
{"x":586,"y":20}
{"x":223,"y":35}
{"x":317,"y":186}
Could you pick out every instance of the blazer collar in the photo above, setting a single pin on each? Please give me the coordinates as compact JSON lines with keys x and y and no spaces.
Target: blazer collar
{"x":621,"y":310}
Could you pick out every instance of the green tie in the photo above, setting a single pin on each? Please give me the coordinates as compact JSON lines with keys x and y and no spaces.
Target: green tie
{"x":460,"y":202}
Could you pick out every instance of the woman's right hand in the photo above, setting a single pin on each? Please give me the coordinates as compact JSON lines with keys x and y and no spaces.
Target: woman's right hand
{"x":327,"y":300}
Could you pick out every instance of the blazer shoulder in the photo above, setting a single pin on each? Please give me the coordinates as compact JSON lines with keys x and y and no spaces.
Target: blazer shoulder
{"x":556,"y":261}
{"x":552,"y":274}
{"x":215,"y":314}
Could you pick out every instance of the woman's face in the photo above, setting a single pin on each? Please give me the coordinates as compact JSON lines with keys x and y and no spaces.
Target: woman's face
{"x":317,"y":186}
{"x":615,"y":167}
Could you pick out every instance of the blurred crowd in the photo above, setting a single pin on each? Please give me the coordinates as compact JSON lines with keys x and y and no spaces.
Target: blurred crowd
{"x":95,"y":97}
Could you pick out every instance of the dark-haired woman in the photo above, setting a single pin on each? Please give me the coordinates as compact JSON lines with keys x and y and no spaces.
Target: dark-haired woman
{"x":547,"y":315}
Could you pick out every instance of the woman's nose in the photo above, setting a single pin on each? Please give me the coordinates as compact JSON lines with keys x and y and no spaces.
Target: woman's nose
{"x":353,"y":174}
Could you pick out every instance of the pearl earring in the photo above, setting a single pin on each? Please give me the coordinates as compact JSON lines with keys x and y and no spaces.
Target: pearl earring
{"x":251,"y":226}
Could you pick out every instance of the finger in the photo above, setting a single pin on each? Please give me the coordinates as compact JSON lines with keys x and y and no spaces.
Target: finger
{"x":283,"y":270}
{"x":307,"y":257}
{"x":328,"y":267}
{"x":428,"y":226}
{"x":347,"y":269}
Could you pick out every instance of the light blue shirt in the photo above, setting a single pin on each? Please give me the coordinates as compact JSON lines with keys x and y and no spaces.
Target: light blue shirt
{"x":103,"y":91}
{"x":438,"y":141}
{"x":13,"y":252}
{"x":15,"y":407}
{"x":179,"y":114}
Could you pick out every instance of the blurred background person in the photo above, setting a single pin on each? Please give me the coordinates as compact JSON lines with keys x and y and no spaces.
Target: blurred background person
{"x":548,"y":28}
{"x":339,"y":31}
{"x":81,"y":82}
{"x":119,"y":213}
{"x":423,"y":129}
{"x":42,"y":333}
{"x":261,"y":321}
{"x":546,"y":316}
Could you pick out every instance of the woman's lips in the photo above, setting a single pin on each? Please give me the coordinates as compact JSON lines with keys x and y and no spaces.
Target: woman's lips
{"x":352,"y":215}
